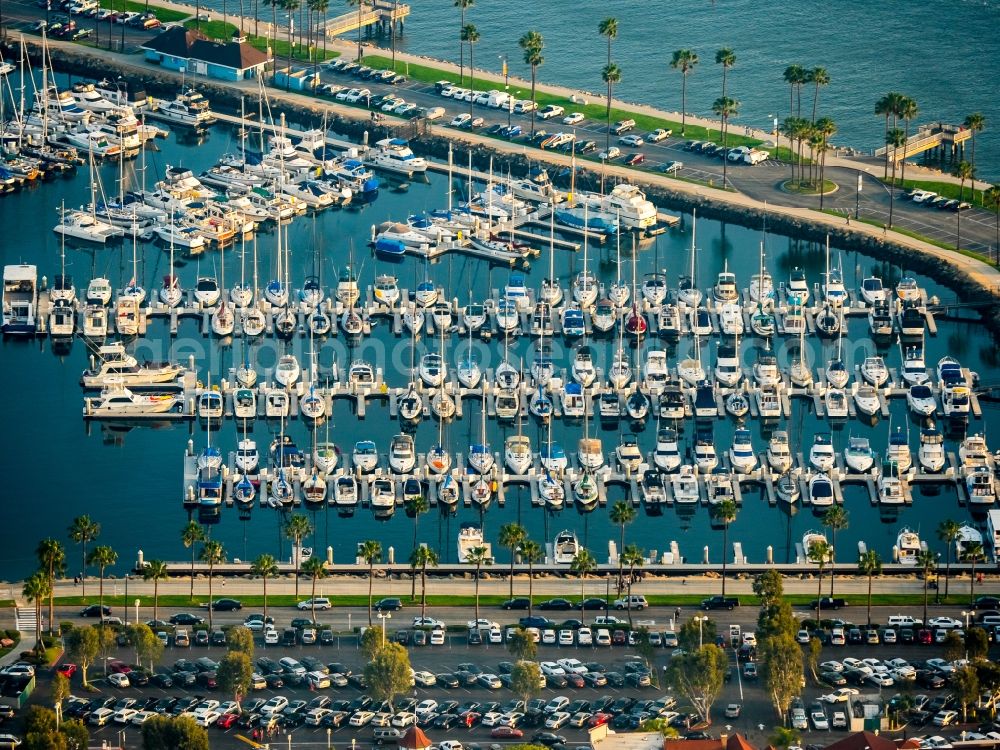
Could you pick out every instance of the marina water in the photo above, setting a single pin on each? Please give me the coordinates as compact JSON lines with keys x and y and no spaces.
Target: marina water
{"x":130,"y":480}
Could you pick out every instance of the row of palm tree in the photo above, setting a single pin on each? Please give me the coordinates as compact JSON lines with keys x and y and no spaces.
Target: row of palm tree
{"x":796,"y":76}
{"x":532,"y":44}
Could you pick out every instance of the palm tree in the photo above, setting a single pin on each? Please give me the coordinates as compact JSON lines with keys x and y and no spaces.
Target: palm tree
{"x":371,"y":552}
{"x":991,"y":198}
{"x":870,"y":564}
{"x":725,"y":57}
{"x":297,"y":528}
{"x":212,"y":554}
{"x":634,"y":557}
{"x":819,"y":552}
{"x":817,"y":77}
{"x":792,"y":129}
{"x":724,"y":108}
{"x":896,"y":139}
{"x":421,"y":557}
{"x":35,"y":589}
{"x":608,"y":28}
{"x":622,"y":513}
{"x":414,"y":507}
{"x":360,"y":6}
{"x":684,"y":60}
{"x":963,"y":171}
{"x":973,"y":552}
{"x":611,"y":75}
{"x":835,"y":519}
{"x":974,"y":122}
{"x":794,"y":76}
{"x":470,"y":35}
{"x":512,"y":536}
{"x":907,"y":111}
{"x":724,"y":513}
{"x":315,"y":568}
{"x":81,"y":531}
{"x":947,"y":532}
{"x":478,"y":556}
{"x":583,"y":562}
{"x":155,"y":571}
{"x":319,"y":8}
{"x":103,"y":557}
{"x":532,"y":43}
{"x":531,"y":552}
{"x":462,"y":5}
{"x":191,"y":534}
{"x":826,"y":128}
{"x":926,"y":561}
{"x":52,"y":557}
{"x":887,"y":107}
{"x":266,"y":567}
{"x":290,"y":6}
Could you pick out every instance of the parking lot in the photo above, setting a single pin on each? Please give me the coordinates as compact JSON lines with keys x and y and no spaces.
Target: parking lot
{"x":467,"y":682}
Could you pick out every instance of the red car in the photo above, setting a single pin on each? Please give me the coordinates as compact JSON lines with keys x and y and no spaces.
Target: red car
{"x":598,"y":720}
{"x":576,"y":680}
{"x":925,"y":636}
{"x":118,"y":667}
{"x":226,"y":721}
{"x":634,"y":160}
{"x":67,"y":670}
{"x":619,"y":637}
{"x":507,"y":733}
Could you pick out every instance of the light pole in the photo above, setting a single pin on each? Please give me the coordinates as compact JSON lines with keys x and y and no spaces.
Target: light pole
{"x":136,"y":611}
{"x":966,"y":616}
{"x":937,"y":581}
{"x":126,"y":598}
{"x":383,"y":616}
{"x":328,"y":730}
{"x":700,"y":619}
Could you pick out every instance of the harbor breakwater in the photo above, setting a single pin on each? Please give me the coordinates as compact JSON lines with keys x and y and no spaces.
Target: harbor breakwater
{"x":360,"y":129}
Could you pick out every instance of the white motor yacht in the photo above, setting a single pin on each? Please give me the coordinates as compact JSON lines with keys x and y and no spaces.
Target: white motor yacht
{"x":247,"y":457}
{"x":858,"y":455}
{"x":685,"y":486}
{"x":345,"y":491}
{"x":765,"y":371}
{"x":364,"y":457}
{"x":908,"y":546}
{"x":565,"y":548}
{"x":899,"y":451}
{"x":779,"y":454}
{"x":727,"y":366}
{"x":395,"y":155}
{"x":657,"y":371}
{"x":866,"y":399}
{"x":583,"y":370}
{"x":921,"y":400}
{"x":820,"y":490}
{"x":874,"y":371}
{"x":667,"y":455}
{"x":287,"y":371}
{"x":590,"y":453}
{"x":835,"y":403}
{"x":872,"y":291}
{"x":402,"y":456}
{"x":113,"y":364}
{"x":725,"y":289}
{"x":798,"y":287}
{"x":741,"y":454}
{"x":931,"y":454}
{"x":821,"y":455}
{"x":628,"y":454}
{"x":705,"y":456}
{"x":118,"y":402}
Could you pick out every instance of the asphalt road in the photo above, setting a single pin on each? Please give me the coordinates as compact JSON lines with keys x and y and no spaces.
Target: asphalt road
{"x":756,"y":708}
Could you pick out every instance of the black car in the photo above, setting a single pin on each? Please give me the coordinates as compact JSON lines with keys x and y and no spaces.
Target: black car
{"x":516,"y":603}
{"x":548,"y":739}
{"x":94,"y":610}
{"x":162,"y":680}
{"x":186,"y":618}
{"x":827,"y":602}
{"x":987,"y":602}
{"x":183,"y":679}
{"x":302,"y":622}
{"x":536,"y":621}
{"x":855,"y":636}
{"x":139,"y":677}
{"x":833,"y":679}
{"x":268,"y":666}
{"x":227,"y":605}
{"x":326,"y":637}
{"x":593,"y":603}
{"x":388,"y":605}
{"x":929,"y":679}
{"x":217,"y":638}
{"x":447,"y":680}
{"x":615,"y":679}
{"x":558,"y":604}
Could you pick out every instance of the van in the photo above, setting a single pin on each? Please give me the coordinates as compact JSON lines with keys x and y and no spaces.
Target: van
{"x":386,"y":734}
{"x":182,"y":639}
{"x":100,"y":717}
{"x":903,"y":621}
{"x":633,"y":601}
{"x":318,"y":680}
{"x":990,"y":621}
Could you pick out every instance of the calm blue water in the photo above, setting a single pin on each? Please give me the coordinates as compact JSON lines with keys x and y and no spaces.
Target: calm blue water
{"x":55,"y":467}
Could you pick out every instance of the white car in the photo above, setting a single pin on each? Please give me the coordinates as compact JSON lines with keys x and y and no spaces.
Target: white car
{"x":271,"y":637}
{"x":839,"y":720}
{"x":566,"y":637}
{"x":425,"y":707}
{"x":572,"y":666}
{"x":552,"y":669}
{"x":574,"y":118}
{"x":437,"y":637}
{"x":881,"y":679}
{"x":631,"y":140}
{"x":404,"y":719}
{"x":944,"y":623}
{"x":945,"y":718}
{"x":424,"y":679}
{"x":556,"y":704}
{"x":841,"y":695}
{"x":551,"y":110}
{"x":937,"y":742}
{"x":584,"y":637}
{"x":557,"y":720}
{"x":208,"y":718}
{"x":141,"y":717}
{"x":612,"y":153}
{"x":427,"y":622}
{"x":361,"y":718}
{"x":548,"y":636}
{"x":491,"y":719}
{"x":831,"y":666}
{"x":460,"y":121}
{"x":125,"y":715}
{"x":275,"y":705}
{"x":356,"y":95}
{"x":321,"y":602}
{"x":495,"y":635}
{"x":523,"y":106}
{"x":483,"y":623}
{"x":803,"y":637}
{"x":434,"y":113}
{"x":819,"y":720}
{"x":603,"y":637}
{"x":940,"y":665}
{"x":342,"y":95}
{"x":118,"y":680}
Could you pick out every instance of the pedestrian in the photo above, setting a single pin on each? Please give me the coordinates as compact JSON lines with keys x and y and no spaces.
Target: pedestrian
{"x":848,"y":220}
{"x":677,"y":614}
{"x":885,"y":230}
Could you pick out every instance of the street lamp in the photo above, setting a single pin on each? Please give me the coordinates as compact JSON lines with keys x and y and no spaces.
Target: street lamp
{"x":700,"y":619}
{"x":136,"y":611}
{"x":506,"y":88}
{"x":966,"y":616}
{"x":383,"y":616}
{"x":937,"y":581}
{"x":328,"y":730}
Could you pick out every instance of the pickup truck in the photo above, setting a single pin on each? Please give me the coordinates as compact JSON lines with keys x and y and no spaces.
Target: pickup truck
{"x":827,"y":602}
{"x":719,"y":602}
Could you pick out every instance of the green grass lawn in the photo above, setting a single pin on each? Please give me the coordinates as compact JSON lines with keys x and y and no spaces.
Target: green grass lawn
{"x":167,"y":15}
{"x":808,"y":188}
{"x":224,"y":30}
{"x":594,"y":112}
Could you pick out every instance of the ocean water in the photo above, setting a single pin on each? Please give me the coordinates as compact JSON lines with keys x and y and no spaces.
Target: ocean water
{"x":943,"y":53}
{"x":130,"y":478}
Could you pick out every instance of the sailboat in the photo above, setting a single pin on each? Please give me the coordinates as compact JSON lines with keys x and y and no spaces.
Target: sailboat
{"x":171,"y":293}
{"x":480,"y":454}
{"x":619,"y":293}
{"x":837,"y":373}
{"x":585,"y":283}
{"x":252,"y":320}
{"x":517,"y":451}
{"x":551,"y":292}
{"x":223,"y":320}
{"x":761,"y":283}
{"x":799,"y":372}
{"x":688,"y":291}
